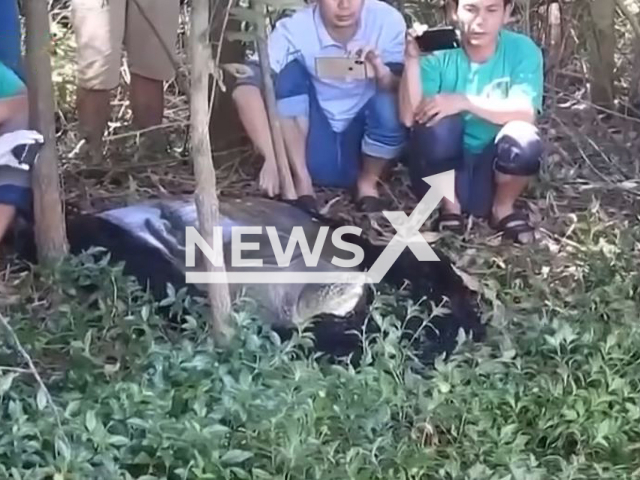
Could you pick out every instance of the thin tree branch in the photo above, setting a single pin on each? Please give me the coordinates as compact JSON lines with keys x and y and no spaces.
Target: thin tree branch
{"x":34,"y":372}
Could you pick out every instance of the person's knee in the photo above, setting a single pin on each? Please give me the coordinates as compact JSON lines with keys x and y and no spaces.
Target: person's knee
{"x":439,"y":147}
{"x":385,"y":136}
{"x":519,"y":150}
{"x":291,"y":88}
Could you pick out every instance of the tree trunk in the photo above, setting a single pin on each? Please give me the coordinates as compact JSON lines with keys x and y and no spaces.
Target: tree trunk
{"x":602,"y":44}
{"x":206,"y":196}
{"x":50,"y":228}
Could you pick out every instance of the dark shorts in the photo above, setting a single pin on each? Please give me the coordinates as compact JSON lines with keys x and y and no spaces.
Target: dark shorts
{"x":334,"y":158}
{"x":517,"y":150}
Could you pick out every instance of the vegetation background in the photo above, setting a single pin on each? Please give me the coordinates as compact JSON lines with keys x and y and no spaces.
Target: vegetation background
{"x":553,"y":393}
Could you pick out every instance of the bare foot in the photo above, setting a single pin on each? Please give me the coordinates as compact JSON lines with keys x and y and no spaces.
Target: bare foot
{"x":269,"y":180}
{"x":303,"y":184}
{"x":367,"y":188}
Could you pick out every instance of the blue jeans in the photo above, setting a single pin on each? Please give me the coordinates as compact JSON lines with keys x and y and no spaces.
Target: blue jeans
{"x":10,"y":38}
{"x":334,"y":158}
{"x":517,"y":150}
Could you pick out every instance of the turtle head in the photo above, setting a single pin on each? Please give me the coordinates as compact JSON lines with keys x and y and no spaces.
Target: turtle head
{"x":335,"y":299}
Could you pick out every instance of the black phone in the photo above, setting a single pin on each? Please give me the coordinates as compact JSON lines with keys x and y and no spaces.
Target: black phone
{"x":435,"y":39}
{"x":27,"y":153}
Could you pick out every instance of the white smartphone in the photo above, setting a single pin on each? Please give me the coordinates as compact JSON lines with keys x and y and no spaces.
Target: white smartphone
{"x":342,"y":68}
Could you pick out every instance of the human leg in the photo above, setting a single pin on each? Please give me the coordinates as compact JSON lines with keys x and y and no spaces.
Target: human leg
{"x":253,"y":117}
{"x":292,"y":100}
{"x":293,"y":91}
{"x":312,"y":148}
{"x":150,"y":36}
{"x":99,"y":30}
{"x":518,"y":153}
{"x":384,"y":137}
{"x":436,"y":149}
{"x":15,"y":183}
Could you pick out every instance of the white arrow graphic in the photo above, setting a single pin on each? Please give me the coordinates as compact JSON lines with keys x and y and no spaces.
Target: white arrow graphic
{"x":408,"y":235}
{"x":442,"y":185}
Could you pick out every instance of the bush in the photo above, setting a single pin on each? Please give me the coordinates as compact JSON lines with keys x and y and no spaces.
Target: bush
{"x":553,"y":394}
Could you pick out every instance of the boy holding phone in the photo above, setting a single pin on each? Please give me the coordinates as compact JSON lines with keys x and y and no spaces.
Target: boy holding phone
{"x":473,"y":109}
{"x":336,"y":67}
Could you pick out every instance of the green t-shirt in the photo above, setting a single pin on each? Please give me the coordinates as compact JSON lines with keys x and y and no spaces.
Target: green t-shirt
{"x":514,"y":70}
{"x":10,"y":83}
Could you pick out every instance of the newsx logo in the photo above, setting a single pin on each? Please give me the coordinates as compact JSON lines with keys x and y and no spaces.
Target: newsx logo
{"x":407,"y":235}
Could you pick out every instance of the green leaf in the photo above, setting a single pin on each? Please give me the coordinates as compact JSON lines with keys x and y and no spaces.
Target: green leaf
{"x":118,"y":440}
{"x":41,"y":399}
{"x":72,"y":408}
{"x":62,"y":448}
{"x":241,"y":474}
{"x":236,"y":456}
{"x":260,"y":474}
{"x":144,"y":312}
{"x":6,"y":381}
{"x":90,"y":420}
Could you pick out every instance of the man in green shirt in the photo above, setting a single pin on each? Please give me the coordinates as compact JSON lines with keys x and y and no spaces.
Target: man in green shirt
{"x":473,"y":109}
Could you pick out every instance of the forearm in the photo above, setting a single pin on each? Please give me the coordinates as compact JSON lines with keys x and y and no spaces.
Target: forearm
{"x":14,"y":110}
{"x":386,"y":79}
{"x":410,"y":91}
{"x":500,"y":111}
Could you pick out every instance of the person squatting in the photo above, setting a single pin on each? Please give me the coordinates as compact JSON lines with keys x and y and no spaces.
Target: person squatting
{"x":472,"y":109}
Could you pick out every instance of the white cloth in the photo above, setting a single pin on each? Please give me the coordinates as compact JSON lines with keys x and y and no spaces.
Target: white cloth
{"x":9,"y":141}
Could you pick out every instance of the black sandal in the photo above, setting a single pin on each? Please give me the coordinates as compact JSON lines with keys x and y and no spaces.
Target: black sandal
{"x":514,"y":225}
{"x":306,"y":203}
{"x":451,"y":222}
{"x":369,"y":204}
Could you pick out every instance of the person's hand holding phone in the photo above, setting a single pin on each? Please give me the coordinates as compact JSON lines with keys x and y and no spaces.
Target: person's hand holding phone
{"x":373,"y":60}
{"x":411,"y":49}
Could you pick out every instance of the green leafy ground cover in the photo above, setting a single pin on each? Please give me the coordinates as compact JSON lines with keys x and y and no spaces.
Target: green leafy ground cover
{"x":554,"y":392}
